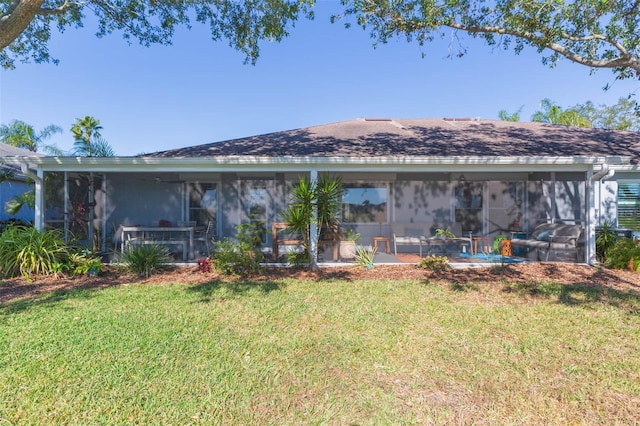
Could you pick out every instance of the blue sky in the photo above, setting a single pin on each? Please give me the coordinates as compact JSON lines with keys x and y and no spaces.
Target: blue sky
{"x":197,"y":91}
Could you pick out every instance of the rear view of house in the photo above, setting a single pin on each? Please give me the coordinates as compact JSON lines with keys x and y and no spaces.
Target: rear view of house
{"x":482,"y":177}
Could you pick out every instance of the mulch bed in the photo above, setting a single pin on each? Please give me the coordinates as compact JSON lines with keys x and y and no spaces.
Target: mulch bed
{"x":563,"y":273}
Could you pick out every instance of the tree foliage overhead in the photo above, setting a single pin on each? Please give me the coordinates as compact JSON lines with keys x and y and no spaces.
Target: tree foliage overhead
{"x":22,"y":135}
{"x":26,"y":25}
{"x":624,"y":115}
{"x":552,"y":113}
{"x":594,"y":33}
{"x":88,"y":140}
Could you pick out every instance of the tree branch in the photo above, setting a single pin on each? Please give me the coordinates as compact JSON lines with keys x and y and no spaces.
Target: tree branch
{"x":623,"y":60}
{"x":18,"y":17}
{"x":58,"y":10}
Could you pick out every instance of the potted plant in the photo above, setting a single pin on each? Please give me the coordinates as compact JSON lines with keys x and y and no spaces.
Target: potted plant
{"x":500,"y":246}
{"x":348,"y":240}
{"x":444,"y":233}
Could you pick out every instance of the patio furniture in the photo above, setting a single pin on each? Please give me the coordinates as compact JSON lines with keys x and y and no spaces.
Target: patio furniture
{"x":481,"y":245}
{"x":162,"y":235}
{"x":409,"y":233}
{"x":279,"y":237}
{"x":550,"y":240}
{"x":203,"y":236}
{"x":416,"y":234}
{"x":380,"y":239}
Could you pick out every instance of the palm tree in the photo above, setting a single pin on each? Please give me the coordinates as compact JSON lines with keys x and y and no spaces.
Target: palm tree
{"x":22,"y":135}
{"x":88,"y":140}
{"x":101,"y":148}
{"x":554,"y":114}
{"x":84,"y":131}
{"x":509,"y":116}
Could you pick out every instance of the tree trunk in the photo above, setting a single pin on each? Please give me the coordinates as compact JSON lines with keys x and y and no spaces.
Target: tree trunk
{"x":18,"y":18}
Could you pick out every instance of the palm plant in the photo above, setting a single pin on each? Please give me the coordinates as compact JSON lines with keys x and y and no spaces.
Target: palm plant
{"x":554,"y":114}
{"x":299,"y":214}
{"x":314,"y":204}
{"x":102,"y":148}
{"x":22,"y":135}
{"x":88,"y":140}
{"x":84,"y":130}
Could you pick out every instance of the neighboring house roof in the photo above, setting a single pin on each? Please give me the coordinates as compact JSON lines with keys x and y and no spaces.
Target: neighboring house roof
{"x":7,"y":151}
{"x":425,"y":138}
{"x":13,"y":151}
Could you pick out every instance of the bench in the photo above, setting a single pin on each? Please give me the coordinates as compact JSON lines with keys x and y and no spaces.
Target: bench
{"x":550,"y":240}
{"x":280,"y":237}
{"x":423,"y":234}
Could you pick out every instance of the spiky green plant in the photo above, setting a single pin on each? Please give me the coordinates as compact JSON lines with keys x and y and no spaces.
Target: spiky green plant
{"x":364,"y":256}
{"x":28,"y":252}
{"x":323,"y":197}
{"x":145,"y":259}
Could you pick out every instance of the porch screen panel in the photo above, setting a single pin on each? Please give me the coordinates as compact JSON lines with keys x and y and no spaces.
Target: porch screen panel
{"x":54,"y":200}
{"x":365,"y":203}
{"x":468,"y":202}
{"x":569,"y":198}
{"x":79,"y":206}
{"x":538,"y":204}
{"x":256,"y":200}
{"x":203,"y":203}
{"x":418,"y":201}
{"x":505,"y":206}
{"x":629,"y":205}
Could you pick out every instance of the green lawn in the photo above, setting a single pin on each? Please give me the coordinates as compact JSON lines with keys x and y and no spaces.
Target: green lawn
{"x":328,"y":352}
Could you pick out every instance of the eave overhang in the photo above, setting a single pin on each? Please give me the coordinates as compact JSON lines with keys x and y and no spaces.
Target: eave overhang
{"x":302,"y":164}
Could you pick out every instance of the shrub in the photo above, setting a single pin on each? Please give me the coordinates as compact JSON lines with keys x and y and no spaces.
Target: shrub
{"x":364,"y":256}
{"x":236,"y":258}
{"x":27,"y":252}
{"x":85,"y":263}
{"x":252,"y":233}
{"x":298,"y":258}
{"x":435,"y":263}
{"x":145,"y":259}
{"x":624,"y":254}
{"x":605,"y":240}
{"x":204,"y":265}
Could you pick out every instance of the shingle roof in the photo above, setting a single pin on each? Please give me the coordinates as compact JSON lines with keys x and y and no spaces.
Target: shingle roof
{"x":425,"y":138}
{"x":12,"y":151}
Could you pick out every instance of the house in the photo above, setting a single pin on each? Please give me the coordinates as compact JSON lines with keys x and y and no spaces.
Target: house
{"x":14,"y":184}
{"x":489,"y":176}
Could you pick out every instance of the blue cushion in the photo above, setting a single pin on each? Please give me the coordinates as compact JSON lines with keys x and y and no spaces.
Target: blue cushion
{"x":544,"y":235}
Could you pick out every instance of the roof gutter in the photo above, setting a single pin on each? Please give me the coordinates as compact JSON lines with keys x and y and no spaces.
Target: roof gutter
{"x":604,"y":173}
{"x":27,"y":172}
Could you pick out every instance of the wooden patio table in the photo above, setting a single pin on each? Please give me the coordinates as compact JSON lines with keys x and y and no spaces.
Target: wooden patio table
{"x":164,"y":235}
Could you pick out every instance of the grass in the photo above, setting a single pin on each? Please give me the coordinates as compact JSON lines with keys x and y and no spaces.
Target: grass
{"x":329,"y":352}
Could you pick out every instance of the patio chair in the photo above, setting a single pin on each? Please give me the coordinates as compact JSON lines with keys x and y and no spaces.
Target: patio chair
{"x":204,"y":237}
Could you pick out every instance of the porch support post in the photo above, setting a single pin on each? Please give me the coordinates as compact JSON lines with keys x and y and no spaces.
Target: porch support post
{"x":38,"y":180}
{"x":66,"y":207}
{"x":39,"y":207}
{"x":552,"y":195}
{"x":103,"y":215}
{"x":590,"y":230}
{"x":313,"y":234}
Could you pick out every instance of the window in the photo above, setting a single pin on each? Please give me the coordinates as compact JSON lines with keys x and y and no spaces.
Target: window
{"x":365,"y":204}
{"x":203,"y":202}
{"x":629,"y":206}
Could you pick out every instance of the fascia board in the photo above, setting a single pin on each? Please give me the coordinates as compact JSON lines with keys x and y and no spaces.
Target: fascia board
{"x":246,"y":163}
